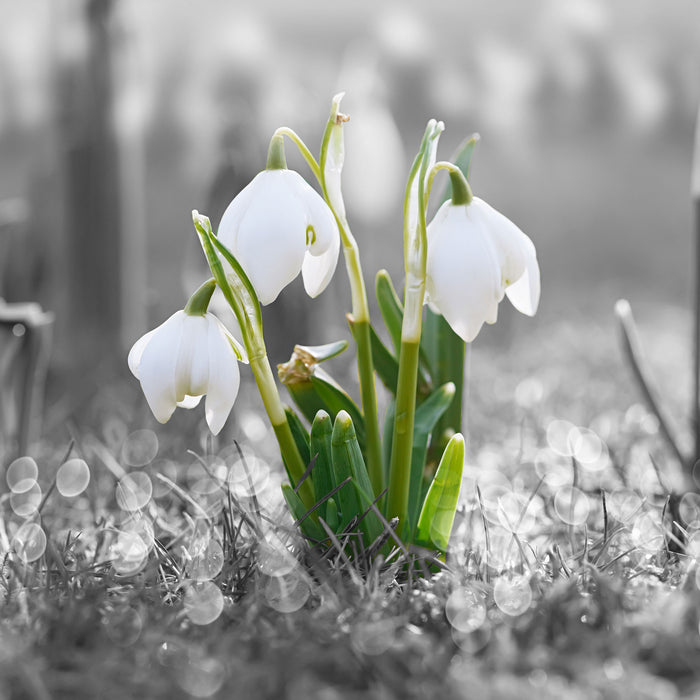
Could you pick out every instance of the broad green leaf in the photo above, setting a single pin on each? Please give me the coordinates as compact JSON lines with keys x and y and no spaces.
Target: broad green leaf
{"x":311,"y":529}
{"x":300,"y":435}
{"x":385,"y":364}
{"x":347,"y":457}
{"x":390,"y":307}
{"x":320,"y":449}
{"x":438,"y":511}
{"x":346,"y":498}
{"x":427,"y":415}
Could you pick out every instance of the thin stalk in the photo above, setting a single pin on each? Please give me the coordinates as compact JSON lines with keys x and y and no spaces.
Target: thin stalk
{"x":332,"y":155}
{"x":402,"y":446}
{"x":275,"y":411}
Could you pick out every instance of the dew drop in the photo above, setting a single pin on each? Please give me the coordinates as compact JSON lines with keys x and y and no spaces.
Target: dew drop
{"x":465,"y":610}
{"x":689,"y":509}
{"x":207,"y":561}
{"x":512,"y":596}
{"x":128,"y":553}
{"x":72,"y":477}
{"x":123,"y":626}
{"x":559,"y":436}
{"x":200,"y":676}
{"x":623,"y":504}
{"x":140,"y":448}
{"x":134,"y":491}
{"x":203,"y":602}
{"x":27,"y":502}
{"x":287,"y":593}
{"x":29,"y":542}
{"x":571,"y":505}
{"x":22,"y":474}
{"x":372,"y":638}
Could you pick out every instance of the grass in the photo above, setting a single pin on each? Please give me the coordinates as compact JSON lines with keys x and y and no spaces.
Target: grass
{"x":179,"y":574}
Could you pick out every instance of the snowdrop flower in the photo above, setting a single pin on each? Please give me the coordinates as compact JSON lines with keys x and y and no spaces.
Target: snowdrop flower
{"x":279,"y":226}
{"x":183,"y":359}
{"x":475,"y":256}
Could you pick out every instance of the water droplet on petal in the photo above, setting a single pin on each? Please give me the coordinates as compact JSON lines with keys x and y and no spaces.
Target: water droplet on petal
{"x":29,"y":542}
{"x":21,"y":474}
{"x":134,"y":491}
{"x":140,"y":448}
{"x":512,"y":596}
{"x":571,"y":505}
{"x":203,"y":602}
{"x":72,"y":477}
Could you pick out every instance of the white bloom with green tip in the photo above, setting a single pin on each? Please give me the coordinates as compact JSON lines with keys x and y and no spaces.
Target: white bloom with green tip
{"x":279,"y":226}
{"x":475,"y":257}
{"x":183,"y":359}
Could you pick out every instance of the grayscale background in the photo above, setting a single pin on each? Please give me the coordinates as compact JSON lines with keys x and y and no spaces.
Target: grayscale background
{"x":118,"y":118}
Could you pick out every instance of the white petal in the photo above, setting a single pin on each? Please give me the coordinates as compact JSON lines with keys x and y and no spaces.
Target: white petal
{"x":157,"y":367}
{"x":463,"y":275}
{"x":333,"y":167}
{"x":224,"y":379}
{"x":525,"y":293}
{"x":509,"y":241}
{"x":271,"y":239}
{"x":189,"y":402}
{"x":317,"y":270}
{"x":134,"y":359}
{"x":192,"y":368}
{"x":230,"y":221}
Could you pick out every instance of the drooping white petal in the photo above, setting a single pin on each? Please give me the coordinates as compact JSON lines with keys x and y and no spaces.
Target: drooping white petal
{"x":158,"y":364}
{"x":510,"y":243}
{"x":189,"y":402}
{"x":525,"y":293}
{"x":192,"y":369}
{"x":271,"y":239}
{"x":230,"y":221}
{"x":463,"y":278}
{"x":134,"y":358}
{"x":224,"y":377}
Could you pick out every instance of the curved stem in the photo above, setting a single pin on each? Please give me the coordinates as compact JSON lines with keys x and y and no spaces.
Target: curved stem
{"x":461,"y":191}
{"x":303,"y":149}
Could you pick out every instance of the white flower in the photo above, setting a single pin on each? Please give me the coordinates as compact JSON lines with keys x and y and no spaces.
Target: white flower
{"x":475,"y":256}
{"x":279,"y":226}
{"x":183,"y":359}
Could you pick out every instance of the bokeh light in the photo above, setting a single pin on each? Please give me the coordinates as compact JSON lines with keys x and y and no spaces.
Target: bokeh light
{"x":203,"y":602}
{"x":571,"y":505}
{"x":21,"y":474}
{"x":134,"y":491}
{"x":26,"y":503}
{"x":72,"y":477}
{"x":513,"y":596}
{"x":140,"y":448}
{"x":29,"y":541}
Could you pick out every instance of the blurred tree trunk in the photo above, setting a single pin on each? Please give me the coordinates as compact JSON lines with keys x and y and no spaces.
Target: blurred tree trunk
{"x":88,"y":327}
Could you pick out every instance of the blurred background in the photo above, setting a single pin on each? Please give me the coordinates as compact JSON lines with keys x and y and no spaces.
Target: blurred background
{"x":118,"y":117}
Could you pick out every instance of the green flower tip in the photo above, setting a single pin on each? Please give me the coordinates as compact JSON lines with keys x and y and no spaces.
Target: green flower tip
{"x":199,"y":302}
{"x":276,"y":159}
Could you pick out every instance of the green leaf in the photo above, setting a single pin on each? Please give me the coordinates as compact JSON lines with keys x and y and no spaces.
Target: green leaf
{"x":321,"y":353}
{"x":309,"y":528}
{"x":347,"y":458}
{"x":385,"y":364}
{"x":335,"y":399}
{"x":320,"y":449}
{"x":427,"y":415}
{"x":346,"y":496}
{"x":300,"y":435}
{"x":438,"y":511}
{"x":390,"y":307}
{"x":332,"y":515}
{"x":462,"y":158}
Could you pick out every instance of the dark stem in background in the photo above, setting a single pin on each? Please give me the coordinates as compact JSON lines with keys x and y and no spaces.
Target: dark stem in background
{"x":695,"y":196}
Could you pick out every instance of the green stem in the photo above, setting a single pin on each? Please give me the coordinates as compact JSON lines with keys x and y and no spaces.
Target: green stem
{"x":368,"y":395}
{"x":402,"y":444}
{"x":275,"y":411}
{"x":333,"y":138}
{"x":303,"y":149}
